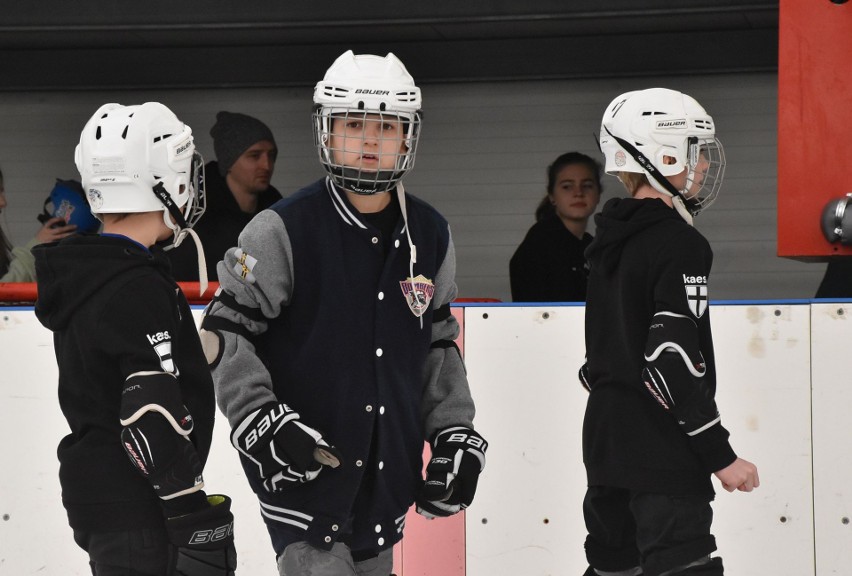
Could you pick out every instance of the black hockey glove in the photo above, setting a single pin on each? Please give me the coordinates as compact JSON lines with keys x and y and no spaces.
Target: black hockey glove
{"x":284,"y":450}
{"x":203,"y":541}
{"x":458,"y":457}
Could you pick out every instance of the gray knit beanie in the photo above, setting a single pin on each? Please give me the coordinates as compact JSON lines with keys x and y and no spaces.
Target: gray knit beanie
{"x":234,"y":133}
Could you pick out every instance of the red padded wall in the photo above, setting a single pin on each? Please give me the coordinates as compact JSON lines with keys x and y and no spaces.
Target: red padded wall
{"x":814,"y":121}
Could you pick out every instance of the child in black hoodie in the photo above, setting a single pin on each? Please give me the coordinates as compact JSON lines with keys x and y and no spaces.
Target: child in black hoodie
{"x":133,"y":381}
{"x":652,"y":435}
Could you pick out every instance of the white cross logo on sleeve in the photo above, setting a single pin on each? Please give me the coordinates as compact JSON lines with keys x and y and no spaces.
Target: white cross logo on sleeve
{"x":696,"y":296}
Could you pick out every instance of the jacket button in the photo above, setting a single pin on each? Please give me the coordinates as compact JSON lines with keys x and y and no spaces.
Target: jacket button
{"x":381,"y":465}
{"x":378,"y":528}
{"x":381,"y":409}
{"x":335,"y":527}
{"x":381,"y":295}
{"x":368,"y":408}
{"x":381,"y":541}
{"x":359,"y":463}
{"x":374,"y":240}
{"x":327,"y":539}
{"x":396,"y":243}
{"x":379,"y":352}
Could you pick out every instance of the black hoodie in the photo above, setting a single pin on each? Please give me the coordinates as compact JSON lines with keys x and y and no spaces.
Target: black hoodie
{"x":115,"y":311}
{"x":644,"y":259}
{"x":549,"y":265}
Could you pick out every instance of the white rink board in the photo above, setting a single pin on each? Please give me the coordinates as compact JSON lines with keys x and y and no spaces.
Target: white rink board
{"x":832,"y":431}
{"x":763,"y":394}
{"x":526,"y":518}
{"x":34,"y":533}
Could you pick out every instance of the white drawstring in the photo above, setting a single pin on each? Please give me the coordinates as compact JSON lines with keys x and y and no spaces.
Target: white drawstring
{"x":199,"y":249}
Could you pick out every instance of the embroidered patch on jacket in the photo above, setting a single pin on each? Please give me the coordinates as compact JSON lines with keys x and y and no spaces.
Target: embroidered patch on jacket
{"x":418,"y":293}
{"x":696,"y":294}
{"x":244,"y":265}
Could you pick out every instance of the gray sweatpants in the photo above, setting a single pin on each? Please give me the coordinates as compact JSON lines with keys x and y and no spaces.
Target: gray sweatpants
{"x":302,"y":559}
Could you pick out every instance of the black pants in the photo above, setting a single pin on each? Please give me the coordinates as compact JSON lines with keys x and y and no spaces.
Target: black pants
{"x":142,"y":552}
{"x":655,"y":531}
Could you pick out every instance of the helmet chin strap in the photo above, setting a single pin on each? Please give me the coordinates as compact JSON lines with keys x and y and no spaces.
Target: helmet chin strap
{"x":181,"y":230}
{"x":681,"y":209}
{"x":350,"y":179}
{"x":658,"y":181}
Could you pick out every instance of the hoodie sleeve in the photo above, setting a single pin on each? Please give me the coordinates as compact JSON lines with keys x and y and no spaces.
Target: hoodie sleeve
{"x":256,"y":282}
{"x":682,"y":289}
{"x":446,"y":397}
{"x":141,"y":337}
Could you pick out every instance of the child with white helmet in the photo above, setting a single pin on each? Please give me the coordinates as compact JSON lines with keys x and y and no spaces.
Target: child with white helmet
{"x":133,"y":380}
{"x":652,"y":434}
{"x":331,"y":340}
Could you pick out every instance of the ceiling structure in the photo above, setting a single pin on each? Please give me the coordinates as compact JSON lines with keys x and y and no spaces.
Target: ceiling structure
{"x":103,"y":44}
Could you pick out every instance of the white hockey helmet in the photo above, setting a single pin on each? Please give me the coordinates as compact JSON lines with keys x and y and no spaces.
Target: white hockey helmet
{"x":642,"y":131}
{"x":355,"y":86}
{"x":142,"y":159}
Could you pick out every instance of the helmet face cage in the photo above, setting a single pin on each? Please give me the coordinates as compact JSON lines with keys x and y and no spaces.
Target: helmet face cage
{"x":363,"y":151}
{"x":366,"y":122}
{"x":194,"y":209}
{"x":705,"y":165}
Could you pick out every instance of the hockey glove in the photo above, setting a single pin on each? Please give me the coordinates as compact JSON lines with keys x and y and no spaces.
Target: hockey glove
{"x":203,"y":541}
{"x":284,"y":450}
{"x":458,"y":457}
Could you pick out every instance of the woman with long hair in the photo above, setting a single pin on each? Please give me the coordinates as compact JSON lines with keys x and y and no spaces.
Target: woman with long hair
{"x":549,"y":265}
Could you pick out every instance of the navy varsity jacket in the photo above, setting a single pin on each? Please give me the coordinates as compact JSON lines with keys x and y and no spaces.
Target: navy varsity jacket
{"x":352,"y":340}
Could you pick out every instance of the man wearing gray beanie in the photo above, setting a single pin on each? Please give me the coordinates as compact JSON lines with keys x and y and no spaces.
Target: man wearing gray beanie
{"x":237,"y":186}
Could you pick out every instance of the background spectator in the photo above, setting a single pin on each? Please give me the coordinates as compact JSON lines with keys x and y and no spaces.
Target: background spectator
{"x":549,"y":265}
{"x":17,"y":263}
{"x":237,"y":188}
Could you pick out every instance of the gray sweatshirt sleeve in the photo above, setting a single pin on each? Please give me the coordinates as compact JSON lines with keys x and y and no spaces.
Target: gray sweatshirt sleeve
{"x":446,"y":394}
{"x":256,"y":282}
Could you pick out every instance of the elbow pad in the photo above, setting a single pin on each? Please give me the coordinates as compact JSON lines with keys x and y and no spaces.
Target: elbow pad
{"x":675,"y":370}
{"x":155,"y":435}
